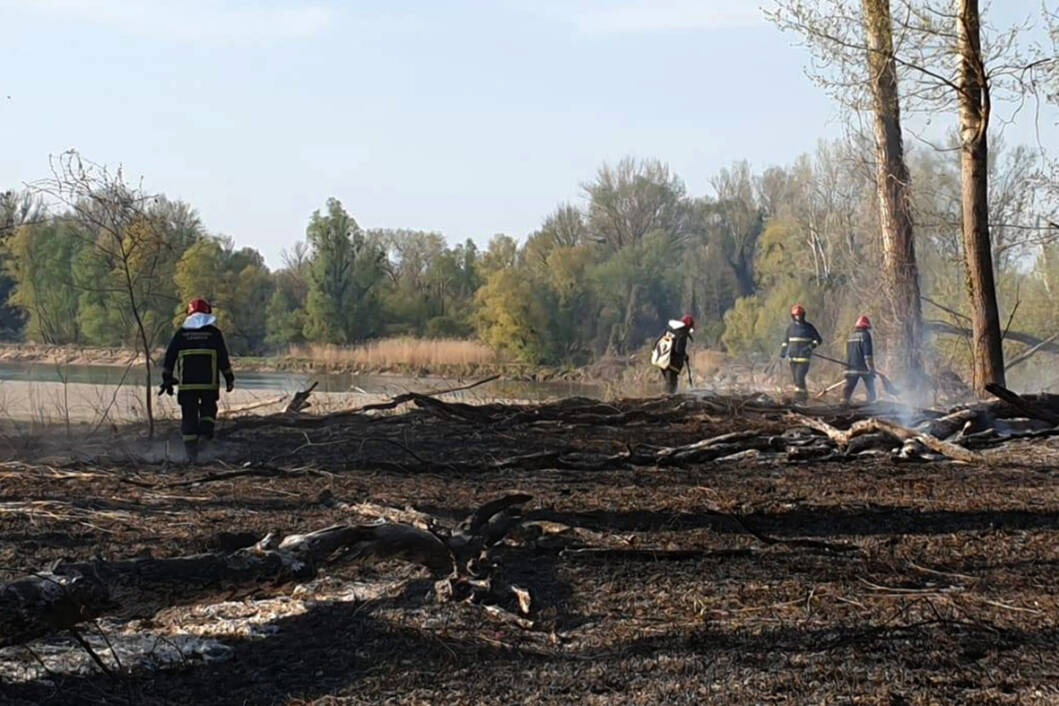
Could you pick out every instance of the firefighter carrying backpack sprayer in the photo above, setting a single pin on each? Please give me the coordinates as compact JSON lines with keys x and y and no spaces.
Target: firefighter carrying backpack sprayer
{"x":670,"y":352}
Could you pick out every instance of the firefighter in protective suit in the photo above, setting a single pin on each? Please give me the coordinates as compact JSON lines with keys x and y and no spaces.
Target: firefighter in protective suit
{"x":860,"y":360}
{"x":681,"y":331}
{"x":798,"y":345}
{"x":671,"y":350}
{"x":194,"y":362}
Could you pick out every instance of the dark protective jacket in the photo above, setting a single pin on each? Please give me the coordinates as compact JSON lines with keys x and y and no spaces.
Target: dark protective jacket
{"x":197,"y":357}
{"x":859,"y":359}
{"x":679,"y":354}
{"x":802,"y":338}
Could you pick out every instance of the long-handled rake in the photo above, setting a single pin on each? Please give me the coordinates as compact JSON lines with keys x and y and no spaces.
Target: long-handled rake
{"x":888,"y":385}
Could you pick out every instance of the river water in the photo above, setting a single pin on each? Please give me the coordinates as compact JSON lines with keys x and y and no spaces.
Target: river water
{"x":288,"y":382}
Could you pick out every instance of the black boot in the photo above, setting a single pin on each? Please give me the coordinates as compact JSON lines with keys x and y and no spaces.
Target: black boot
{"x":191,"y":448}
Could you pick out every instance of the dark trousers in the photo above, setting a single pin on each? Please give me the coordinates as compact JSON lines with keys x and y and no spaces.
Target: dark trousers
{"x":851,"y":385}
{"x":799,"y":370}
{"x":198,"y":413}
{"x":671,"y":378}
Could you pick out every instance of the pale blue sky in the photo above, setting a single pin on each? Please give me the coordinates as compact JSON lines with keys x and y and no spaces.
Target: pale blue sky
{"x":469,"y":117}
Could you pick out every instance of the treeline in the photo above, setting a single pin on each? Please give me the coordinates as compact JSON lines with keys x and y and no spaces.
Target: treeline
{"x":604,"y":278}
{"x":600,"y":277}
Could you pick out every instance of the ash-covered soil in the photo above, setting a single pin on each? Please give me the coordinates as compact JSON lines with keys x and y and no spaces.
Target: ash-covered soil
{"x":951,"y":596}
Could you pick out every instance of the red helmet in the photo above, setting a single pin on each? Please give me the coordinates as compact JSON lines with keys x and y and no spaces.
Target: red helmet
{"x":689,"y":320}
{"x":863,"y":322}
{"x":798,"y":311}
{"x":198,"y":305}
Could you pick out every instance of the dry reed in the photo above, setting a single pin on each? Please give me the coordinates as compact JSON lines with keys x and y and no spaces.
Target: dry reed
{"x":400,"y":352}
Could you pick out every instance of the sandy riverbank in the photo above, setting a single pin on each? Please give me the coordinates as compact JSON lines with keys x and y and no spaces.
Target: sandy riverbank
{"x":50,"y":403}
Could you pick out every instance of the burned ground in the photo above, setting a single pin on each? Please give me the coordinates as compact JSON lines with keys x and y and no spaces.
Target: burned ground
{"x":684,"y":582}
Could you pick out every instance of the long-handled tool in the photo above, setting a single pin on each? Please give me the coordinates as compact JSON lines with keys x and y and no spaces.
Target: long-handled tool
{"x":829,"y":359}
{"x":828,"y":389}
{"x":891,"y":389}
{"x":691,"y":383}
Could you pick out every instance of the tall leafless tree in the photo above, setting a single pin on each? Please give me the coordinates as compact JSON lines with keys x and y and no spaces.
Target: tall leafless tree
{"x":942,"y":55}
{"x":895,"y":207}
{"x":975,"y":111}
{"x":116,"y":220}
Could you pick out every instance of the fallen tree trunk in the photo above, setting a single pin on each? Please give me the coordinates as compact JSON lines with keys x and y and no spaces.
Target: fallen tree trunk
{"x":43,"y":603}
{"x":411,"y":396}
{"x":1024,"y":406}
{"x":944,"y":427}
{"x":866,"y":426}
{"x":945,"y":327}
{"x":250,"y":406}
{"x":933,"y":443}
{"x":300,"y":400}
{"x":1030,"y":352}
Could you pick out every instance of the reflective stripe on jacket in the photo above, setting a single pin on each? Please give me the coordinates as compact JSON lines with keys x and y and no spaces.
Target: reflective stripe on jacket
{"x":197,"y":357}
{"x":802,"y":337}
{"x":859,"y":358}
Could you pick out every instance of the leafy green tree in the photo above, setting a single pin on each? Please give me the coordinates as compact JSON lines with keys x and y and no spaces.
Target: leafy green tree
{"x":251,"y":293}
{"x":502,"y":254}
{"x":42,"y":257}
{"x":345,"y":272}
{"x":285,"y":314}
{"x":513,"y":315}
{"x":638,"y":291}
{"x":452,"y":280}
{"x":407,"y":302}
{"x":16,"y":211}
{"x":237,"y":284}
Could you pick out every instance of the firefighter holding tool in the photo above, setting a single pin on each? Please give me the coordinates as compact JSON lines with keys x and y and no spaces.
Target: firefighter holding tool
{"x":860,"y":360}
{"x":798,"y":345}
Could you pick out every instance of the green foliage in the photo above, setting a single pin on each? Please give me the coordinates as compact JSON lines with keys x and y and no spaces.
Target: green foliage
{"x":741,"y":331}
{"x":101,"y":314}
{"x":447,"y":327}
{"x":236,"y":283}
{"x":513,"y":315}
{"x":602,"y":278}
{"x":637,"y":290}
{"x":42,"y":257}
{"x":502,"y":254}
{"x":427,"y":281}
{"x":756,"y":324}
{"x":345,"y":272}
{"x":286,"y":319}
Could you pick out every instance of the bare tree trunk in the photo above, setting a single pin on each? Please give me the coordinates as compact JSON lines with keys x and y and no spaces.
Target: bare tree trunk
{"x":987,"y":348}
{"x":743,"y":268}
{"x":144,"y":341}
{"x":905,"y":318}
{"x":630,"y":317}
{"x":148,"y":389}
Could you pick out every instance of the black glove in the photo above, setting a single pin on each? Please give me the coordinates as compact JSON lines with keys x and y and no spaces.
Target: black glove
{"x":168,"y":381}
{"x":229,"y":381}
